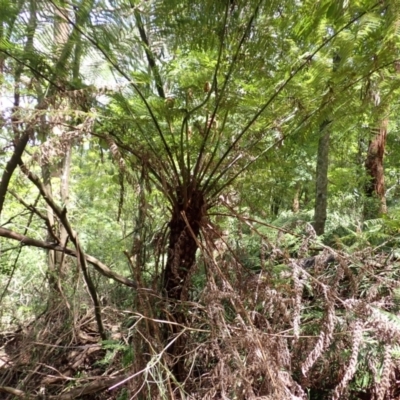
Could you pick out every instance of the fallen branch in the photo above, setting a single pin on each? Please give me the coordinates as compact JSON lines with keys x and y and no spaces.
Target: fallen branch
{"x":90,"y":388}
{"x":14,"y":392}
{"x":98,"y":265}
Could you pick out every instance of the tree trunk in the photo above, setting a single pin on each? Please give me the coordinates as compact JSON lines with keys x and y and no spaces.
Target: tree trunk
{"x":51,"y":263}
{"x":64,"y":189}
{"x":375,"y":204}
{"x":275,"y":205}
{"x":182,"y":243}
{"x":56,"y":267}
{"x":296,"y":198}
{"x":184,"y":230}
{"x":56,"y":260}
{"x":321,"y":190}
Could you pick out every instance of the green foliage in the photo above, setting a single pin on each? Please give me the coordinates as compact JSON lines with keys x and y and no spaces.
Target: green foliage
{"x":113,"y":349}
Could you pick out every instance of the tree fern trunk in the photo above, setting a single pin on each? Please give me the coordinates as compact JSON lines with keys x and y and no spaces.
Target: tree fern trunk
{"x":182,"y":243}
{"x":184,"y":231}
{"x":375,"y":204}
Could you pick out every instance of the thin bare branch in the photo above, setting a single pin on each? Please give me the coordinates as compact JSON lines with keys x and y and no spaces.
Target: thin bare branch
{"x":98,"y":265}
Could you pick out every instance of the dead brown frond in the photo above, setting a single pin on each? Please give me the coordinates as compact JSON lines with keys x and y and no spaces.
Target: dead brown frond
{"x":325,"y":338}
{"x":352,"y":365}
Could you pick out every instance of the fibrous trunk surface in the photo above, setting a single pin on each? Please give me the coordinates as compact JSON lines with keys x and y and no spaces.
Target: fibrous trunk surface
{"x":184,"y":232}
{"x":375,"y":187}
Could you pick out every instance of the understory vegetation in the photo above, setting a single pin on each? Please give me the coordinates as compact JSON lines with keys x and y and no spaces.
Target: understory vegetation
{"x":199,"y":199}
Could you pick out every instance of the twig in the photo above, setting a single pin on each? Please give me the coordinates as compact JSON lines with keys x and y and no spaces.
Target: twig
{"x":15,"y":392}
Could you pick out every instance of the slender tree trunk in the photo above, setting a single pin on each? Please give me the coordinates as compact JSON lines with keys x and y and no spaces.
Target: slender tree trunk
{"x":296,"y":198}
{"x":375,"y":204}
{"x":275,"y":205}
{"x":56,"y":260}
{"x":64,"y":189}
{"x":321,"y":189}
{"x":51,"y":263}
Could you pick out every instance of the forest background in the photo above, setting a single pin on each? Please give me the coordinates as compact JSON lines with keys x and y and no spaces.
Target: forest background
{"x":199,"y":199}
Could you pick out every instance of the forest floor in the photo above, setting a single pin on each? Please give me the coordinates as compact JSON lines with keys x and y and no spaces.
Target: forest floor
{"x":51,"y":360}
{"x":350,"y":304}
